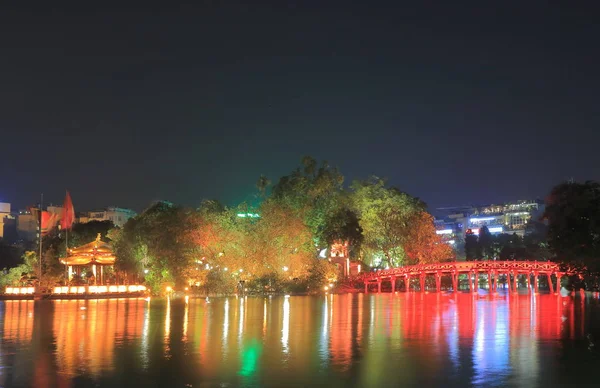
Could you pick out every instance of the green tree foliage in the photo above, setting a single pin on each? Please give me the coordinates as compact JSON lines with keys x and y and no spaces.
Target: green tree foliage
{"x":154,"y":245}
{"x":313,"y":193}
{"x":215,"y":250}
{"x":23,"y":274}
{"x":385,"y":215}
{"x":573,"y":215}
{"x":485,"y":241}
{"x":471,"y":246}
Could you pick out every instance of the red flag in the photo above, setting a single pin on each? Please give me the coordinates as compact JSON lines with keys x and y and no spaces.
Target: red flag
{"x":68,"y":216}
{"x":49,"y":221}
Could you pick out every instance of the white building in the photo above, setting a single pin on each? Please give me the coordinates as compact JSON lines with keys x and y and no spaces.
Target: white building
{"x":117,"y":215}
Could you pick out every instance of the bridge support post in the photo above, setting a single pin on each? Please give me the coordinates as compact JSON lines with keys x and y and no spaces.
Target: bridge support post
{"x":407,"y":283}
{"x":490,"y":282}
{"x":379,"y":286}
{"x":508,"y":283}
{"x":393,"y":284}
{"x":535,"y":282}
{"x":470,"y":275}
{"x":438,"y":282}
{"x":550,"y":285}
{"x":558,"y":276}
{"x":422,"y":281}
{"x":366,"y":287}
{"x":454,"y":283}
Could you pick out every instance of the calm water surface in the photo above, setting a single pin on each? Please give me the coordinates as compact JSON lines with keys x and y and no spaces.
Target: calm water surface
{"x":334,"y":340}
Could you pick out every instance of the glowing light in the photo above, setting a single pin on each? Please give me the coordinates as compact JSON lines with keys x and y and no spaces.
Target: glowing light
{"x":477,"y":219}
{"x":444,"y":231}
{"x":241,"y":270}
{"x":146,"y":270}
{"x":326,"y":288}
{"x":186,"y":288}
{"x":113,"y":289}
{"x":169,"y":289}
{"x":102,"y":289}
{"x":81,"y":290}
{"x":331,"y":285}
{"x":451,"y":242}
{"x":285,"y":269}
{"x":494,"y":229}
{"x":225,"y":269}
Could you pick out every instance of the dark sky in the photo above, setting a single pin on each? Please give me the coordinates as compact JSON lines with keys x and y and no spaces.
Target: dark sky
{"x":453,"y":102}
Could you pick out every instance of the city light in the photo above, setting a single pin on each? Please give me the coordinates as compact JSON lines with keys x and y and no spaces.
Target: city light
{"x":61,"y":290}
{"x":169,"y":289}
{"x":444,"y":231}
{"x":20,"y":290}
{"x":285,"y":269}
{"x":476,"y":219}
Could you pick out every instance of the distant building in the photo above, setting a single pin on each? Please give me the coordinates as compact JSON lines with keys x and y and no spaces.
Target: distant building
{"x":117,"y":215}
{"x":5,"y":216}
{"x":27,"y":226}
{"x":508,"y":218}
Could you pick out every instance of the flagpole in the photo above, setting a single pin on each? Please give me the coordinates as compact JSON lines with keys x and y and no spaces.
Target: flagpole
{"x":40,"y":258}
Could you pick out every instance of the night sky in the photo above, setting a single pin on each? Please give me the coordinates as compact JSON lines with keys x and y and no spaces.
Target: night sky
{"x":453,"y":102}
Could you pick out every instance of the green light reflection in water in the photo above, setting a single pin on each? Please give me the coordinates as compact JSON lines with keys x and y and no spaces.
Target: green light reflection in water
{"x":250,"y":356}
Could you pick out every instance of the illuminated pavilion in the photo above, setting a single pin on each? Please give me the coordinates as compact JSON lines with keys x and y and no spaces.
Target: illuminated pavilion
{"x":96,"y":255}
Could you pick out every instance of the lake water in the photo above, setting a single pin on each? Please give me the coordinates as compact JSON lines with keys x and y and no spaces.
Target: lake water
{"x":330,"y":340}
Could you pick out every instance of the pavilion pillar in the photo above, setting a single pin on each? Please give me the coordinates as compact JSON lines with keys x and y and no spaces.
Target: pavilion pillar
{"x":550,"y":285}
{"x":393,"y":284}
{"x":438,"y":282}
{"x":535,"y":282}
{"x":454,"y":282}
{"x":95,"y":274}
{"x":558,"y":276}
{"x":102,"y":275}
{"x":422,"y":281}
{"x":407,"y":283}
{"x":528,"y":281}
{"x":70,"y":273}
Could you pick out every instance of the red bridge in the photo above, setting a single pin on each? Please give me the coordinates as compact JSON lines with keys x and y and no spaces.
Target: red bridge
{"x":495,"y":271}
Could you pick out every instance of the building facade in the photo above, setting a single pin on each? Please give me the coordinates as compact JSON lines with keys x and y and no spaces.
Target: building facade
{"x":508,"y":218}
{"x":5,"y":216}
{"x":118,"y":216}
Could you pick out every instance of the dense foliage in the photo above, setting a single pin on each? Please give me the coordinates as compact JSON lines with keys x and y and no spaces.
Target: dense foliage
{"x":276,"y":246}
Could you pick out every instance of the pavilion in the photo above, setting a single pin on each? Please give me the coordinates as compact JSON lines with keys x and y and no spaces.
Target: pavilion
{"x":96,"y":255}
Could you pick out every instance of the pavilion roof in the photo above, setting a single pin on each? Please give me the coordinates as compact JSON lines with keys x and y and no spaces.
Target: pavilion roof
{"x":95,"y":252}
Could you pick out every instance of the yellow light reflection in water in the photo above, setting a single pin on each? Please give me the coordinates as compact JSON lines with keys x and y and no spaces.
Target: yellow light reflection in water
{"x":168,"y":329}
{"x":18,"y":320}
{"x":225,"y":326}
{"x":285,"y":331}
{"x":185,"y":317}
{"x":86,"y":332}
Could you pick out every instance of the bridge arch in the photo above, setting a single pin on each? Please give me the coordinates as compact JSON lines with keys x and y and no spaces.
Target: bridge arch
{"x":494,"y":270}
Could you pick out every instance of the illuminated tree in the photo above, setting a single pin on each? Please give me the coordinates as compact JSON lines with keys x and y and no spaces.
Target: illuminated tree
{"x":423,"y":245}
{"x":385,"y":215}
